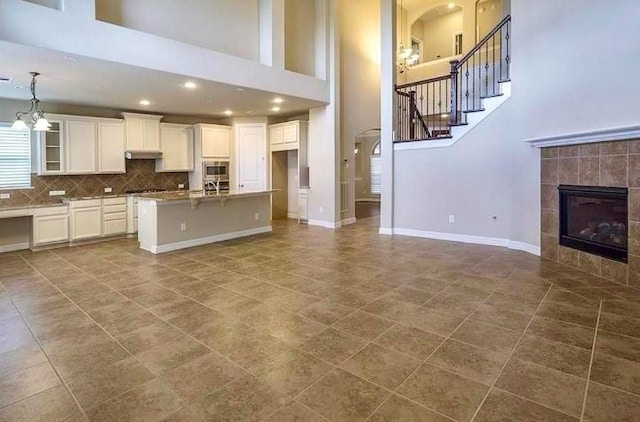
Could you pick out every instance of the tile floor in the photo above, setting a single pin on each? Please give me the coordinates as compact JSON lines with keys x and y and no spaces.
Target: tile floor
{"x":307,"y":324}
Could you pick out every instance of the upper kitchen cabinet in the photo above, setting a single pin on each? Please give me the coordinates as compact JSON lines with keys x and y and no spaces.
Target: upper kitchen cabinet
{"x":142,"y":132}
{"x":213,"y":141}
{"x":81,"y":146}
{"x":111,"y":146}
{"x":50,"y":159}
{"x":288,"y":136}
{"x":176,"y":143}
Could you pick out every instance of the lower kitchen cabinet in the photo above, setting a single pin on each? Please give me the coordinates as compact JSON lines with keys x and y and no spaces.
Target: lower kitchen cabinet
{"x":114,"y":216}
{"x":303,"y":204}
{"x":86,"y":219}
{"x":50,"y":225}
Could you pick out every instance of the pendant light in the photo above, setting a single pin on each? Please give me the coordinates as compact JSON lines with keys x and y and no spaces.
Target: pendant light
{"x":34,"y":116}
{"x":406,"y":57}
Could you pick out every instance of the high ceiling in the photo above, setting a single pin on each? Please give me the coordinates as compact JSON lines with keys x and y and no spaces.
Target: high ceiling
{"x":439,"y":11}
{"x":90,"y":82}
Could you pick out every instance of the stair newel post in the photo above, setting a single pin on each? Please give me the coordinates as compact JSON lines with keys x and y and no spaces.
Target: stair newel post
{"x":412,"y":113}
{"x":454,"y":92}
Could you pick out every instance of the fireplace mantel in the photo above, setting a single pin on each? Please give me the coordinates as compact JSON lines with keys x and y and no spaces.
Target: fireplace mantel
{"x":601,"y":135}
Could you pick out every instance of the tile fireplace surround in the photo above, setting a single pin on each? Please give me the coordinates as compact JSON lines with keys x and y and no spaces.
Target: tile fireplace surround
{"x":613,"y":164}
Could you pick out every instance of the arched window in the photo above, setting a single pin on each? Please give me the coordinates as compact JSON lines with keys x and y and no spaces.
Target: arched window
{"x":376,"y":177}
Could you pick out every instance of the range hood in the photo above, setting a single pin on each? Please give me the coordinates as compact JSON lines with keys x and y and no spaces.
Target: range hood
{"x":142,"y":155}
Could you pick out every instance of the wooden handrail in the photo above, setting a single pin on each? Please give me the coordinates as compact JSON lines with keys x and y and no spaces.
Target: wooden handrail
{"x":423,"y":82}
{"x":484,"y":40}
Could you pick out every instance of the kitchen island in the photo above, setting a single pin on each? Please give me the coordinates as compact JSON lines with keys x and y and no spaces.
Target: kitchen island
{"x":168,"y":221}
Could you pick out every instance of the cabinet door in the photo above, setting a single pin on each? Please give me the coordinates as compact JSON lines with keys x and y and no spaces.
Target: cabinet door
{"x":86,"y":223}
{"x":290,"y":134}
{"x":135,"y":135}
{"x":51,"y":155}
{"x":50,"y":229}
{"x":251,"y":147}
{"x":111,"y":148}
{"x":151,"y":135}
{"x":303,"y":206}
{"x":216,"y":142}
{"x":177,"y":150}
{"x":81,"y":146}
{"x":276,"y":137}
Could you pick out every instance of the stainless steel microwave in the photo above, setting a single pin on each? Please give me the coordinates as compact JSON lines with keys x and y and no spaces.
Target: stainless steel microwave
{"x":215,"y":170}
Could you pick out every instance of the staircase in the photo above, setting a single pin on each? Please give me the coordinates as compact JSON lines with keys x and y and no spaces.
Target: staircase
{"x":446,"y":107}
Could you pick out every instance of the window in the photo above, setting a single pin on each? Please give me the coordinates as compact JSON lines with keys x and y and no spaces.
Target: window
{"x":376,"y":178}
{"x":457,"y":43}
{"x":15,"y":157}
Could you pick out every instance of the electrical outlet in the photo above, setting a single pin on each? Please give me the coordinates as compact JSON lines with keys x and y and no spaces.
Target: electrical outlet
{"x":5,"y":195}
{"x":257,"y":216}
{"x":452,"y":219}
{"x":108,"y":190}
{"x":183,"y":227}
{"x":56,"y":192}
{"x":321,"y":209}
{"x":181,"y":186}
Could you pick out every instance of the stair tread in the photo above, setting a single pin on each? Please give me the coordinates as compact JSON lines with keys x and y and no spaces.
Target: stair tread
{"x":474,"y":110}
{"x":491,"y":96}
{"x":502,"y":81}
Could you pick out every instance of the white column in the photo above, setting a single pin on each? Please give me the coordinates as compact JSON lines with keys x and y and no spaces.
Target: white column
{"x":272,"y":17}
{"x":387,"y":82}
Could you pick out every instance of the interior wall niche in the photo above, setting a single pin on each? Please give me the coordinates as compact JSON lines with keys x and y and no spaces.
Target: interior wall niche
{"x":52,"y":4}
{"x":299,"y":36}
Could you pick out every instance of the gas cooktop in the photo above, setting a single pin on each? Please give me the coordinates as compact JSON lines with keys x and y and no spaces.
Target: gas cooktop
{"x":145,"y":190}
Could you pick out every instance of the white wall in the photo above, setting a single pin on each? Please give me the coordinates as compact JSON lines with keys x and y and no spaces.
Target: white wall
{"x":438,"y":35}
{"x":230,"y":27}
{"x":559,"y":86}
{"x":299,"y":36}
{"x":292,"y":182}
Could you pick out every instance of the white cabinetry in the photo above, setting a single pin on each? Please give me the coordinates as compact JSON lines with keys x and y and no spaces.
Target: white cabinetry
{"x":114,"y":216}
{"x":214,"y":140}
{"x":288,"y":136}
{"x":81,"y":146}
{"x":176,"y":143}
{"x":251,"y":151}
{"x":142,"y":132}
{"x":111,"y":147}
{"x":50,"y":158}
{"x":50,"y":225}
{"x":132,"y":214}
{"x":86,"y":219}
{"x":303,"y":205}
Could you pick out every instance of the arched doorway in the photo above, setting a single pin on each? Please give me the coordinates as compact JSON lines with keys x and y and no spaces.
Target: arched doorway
{"x":367,"y":174}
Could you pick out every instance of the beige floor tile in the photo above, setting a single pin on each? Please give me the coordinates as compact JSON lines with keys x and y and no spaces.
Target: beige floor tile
{"x":447,"y":393}
{"x":333,"y":346}
{"x":363,"y":325}
{"x":202,"y":376}
{"x":501,"y":406}
{"x":151,"y":401}
{"x":551,"y":388}
{"x":504,"y":318}
{"x":342,"y":397}
{"x":554,"y":355}
{"x":326,"y":312}
{"x":292,"y":372}
{"x":184,"y":415}
{"x":171,"y":354}
{"x":605,"y":404}
{"x":574,"y":335}
{"x":246,"y":399}
{"x":399,"y":409}
{"x":473,"y":362}
{"x":53,"y":405}
{"x":381,"y":366}
{"x":486,"y":336}
{"x":620,"y":324}
{"x":410,"y":341}
{"x":568,"y":313}
{"x":618,"y":345}
{"x":253,"y":349}
{"x":294,"y":412}
{"x":20,"y":359}
{"x":616,"y":372}
{"x":19,"y":385}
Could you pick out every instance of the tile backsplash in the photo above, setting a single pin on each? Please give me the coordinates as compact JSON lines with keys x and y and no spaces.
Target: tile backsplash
{"x":140,"y":174}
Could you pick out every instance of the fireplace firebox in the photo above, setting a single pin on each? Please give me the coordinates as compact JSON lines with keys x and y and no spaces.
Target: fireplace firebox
{"x":594,"y":219}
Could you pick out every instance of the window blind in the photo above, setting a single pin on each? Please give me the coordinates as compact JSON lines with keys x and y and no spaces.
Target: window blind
{"x":15,"y":157}
{"x":376,"y":178}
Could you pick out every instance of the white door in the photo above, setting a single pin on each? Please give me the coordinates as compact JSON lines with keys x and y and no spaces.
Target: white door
{"x":251,"y":146}
{"x":111,"y":148}
{"x":81,"y":146}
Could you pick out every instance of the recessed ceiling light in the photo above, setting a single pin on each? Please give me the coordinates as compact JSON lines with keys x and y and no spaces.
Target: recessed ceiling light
{"x":144,"y":102}
{"x":228,"y":112}
{"x":276,"y":109}
{"x":72,"y":58}
{"x":451,"y":5}
{"x":190,"y":85}
{"x":240,"y":89}
{"x":278,"y":100}
{"x":5,"y":80}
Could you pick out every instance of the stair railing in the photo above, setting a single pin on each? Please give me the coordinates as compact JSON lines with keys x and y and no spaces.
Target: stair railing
{"x":478,"y":73}
{"x":428,"y":109}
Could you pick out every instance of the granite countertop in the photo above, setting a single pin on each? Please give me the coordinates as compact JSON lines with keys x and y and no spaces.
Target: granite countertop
{"x":198,"y":195}
{"x":59,"y":203}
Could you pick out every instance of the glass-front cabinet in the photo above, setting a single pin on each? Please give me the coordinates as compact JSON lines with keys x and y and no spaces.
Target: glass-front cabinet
{"x":51,"y":149}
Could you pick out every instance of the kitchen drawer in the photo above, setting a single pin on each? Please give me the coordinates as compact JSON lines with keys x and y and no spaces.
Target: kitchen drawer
{"x":114,"y":201}
{"x":110,"y":209}
{"x":114,"y":227}
{"x":51,"y":211}
{"x":87,"y":203}
{"x":115,"y":216}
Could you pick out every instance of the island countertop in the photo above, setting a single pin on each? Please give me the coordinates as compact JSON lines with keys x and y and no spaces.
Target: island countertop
{"x":198,"y":195}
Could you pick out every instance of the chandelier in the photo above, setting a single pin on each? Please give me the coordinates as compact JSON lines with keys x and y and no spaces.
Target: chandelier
{"x":34,"y":116}
{"x":406,"y":57}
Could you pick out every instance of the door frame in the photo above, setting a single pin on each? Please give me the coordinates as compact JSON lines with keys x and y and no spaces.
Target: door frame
{"x":266,"y":183}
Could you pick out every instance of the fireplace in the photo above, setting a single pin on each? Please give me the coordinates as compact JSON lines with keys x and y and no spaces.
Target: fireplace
{"x":594,"y":219}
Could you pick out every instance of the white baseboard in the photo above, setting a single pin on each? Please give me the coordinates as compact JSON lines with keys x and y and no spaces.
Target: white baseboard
{"x":293,"y":215}
{"x":14,"y":247}
{"x":347,"y":221}
{"x":206,"y":240}
{"x":464,"y":238}
{"x":385,"y":231}
{"x":325,"y":224}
